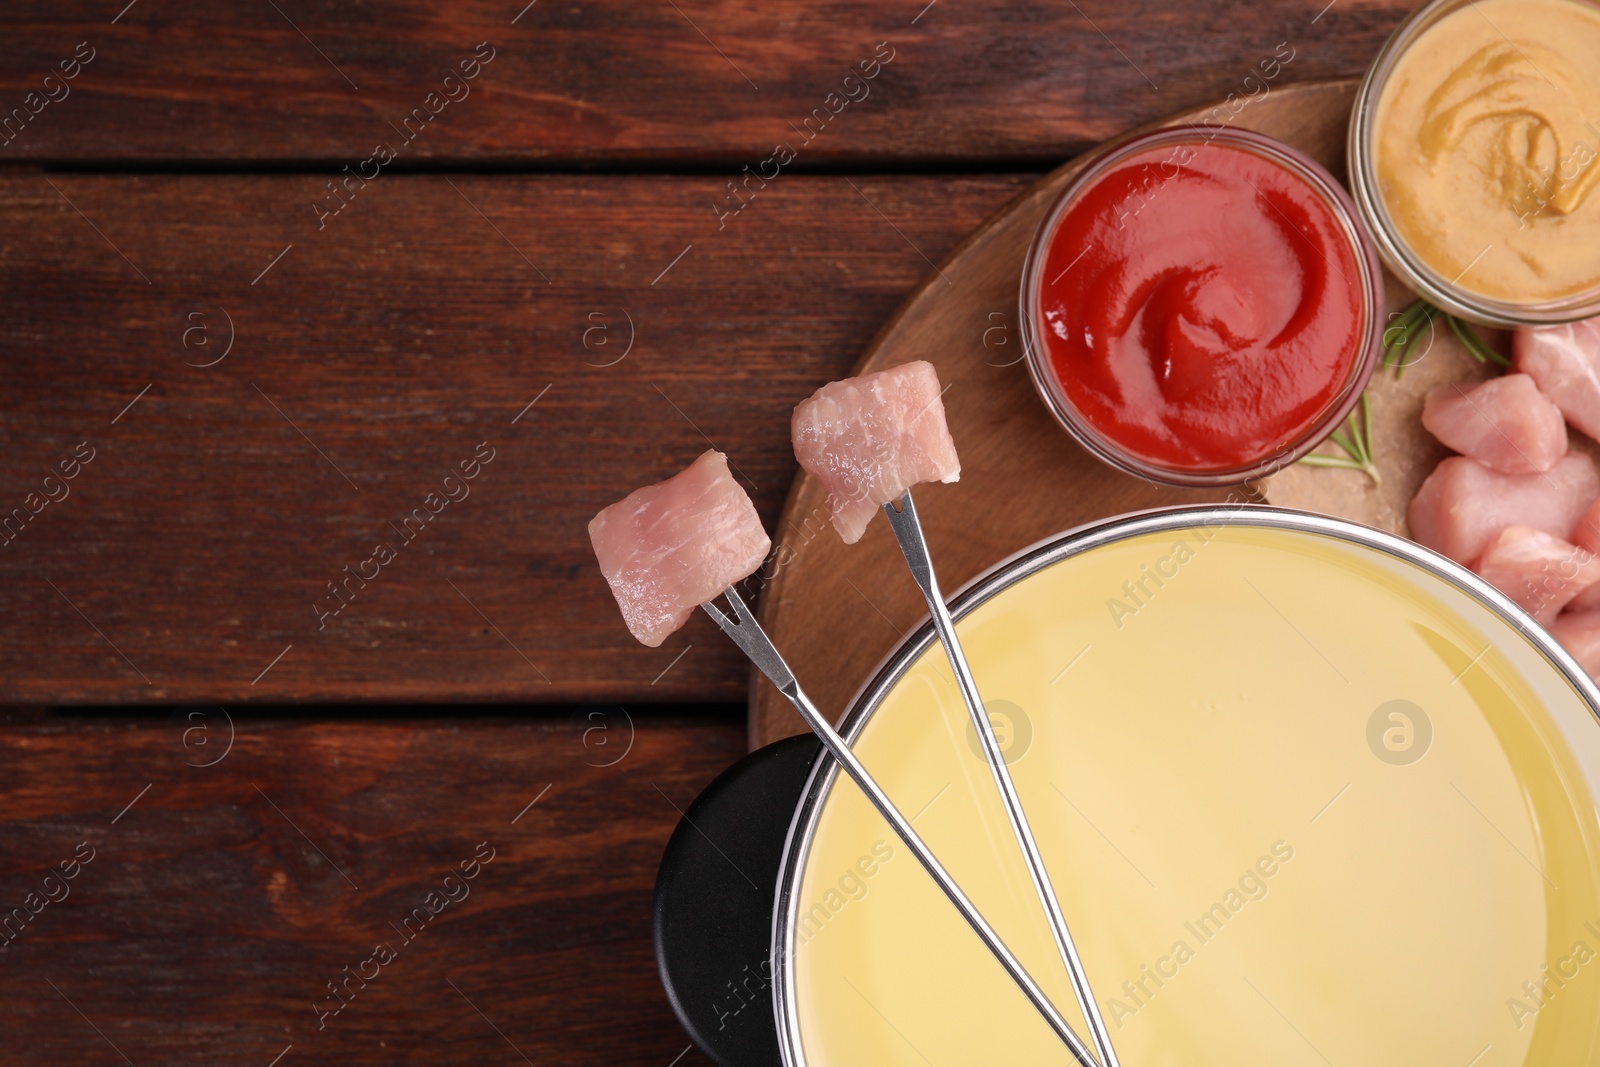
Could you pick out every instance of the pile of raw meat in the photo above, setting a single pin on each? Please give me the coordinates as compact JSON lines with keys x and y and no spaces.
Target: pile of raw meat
{"x":1519,"y":506}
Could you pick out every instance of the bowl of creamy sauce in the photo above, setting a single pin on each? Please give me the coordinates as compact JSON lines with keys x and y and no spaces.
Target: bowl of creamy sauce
{"x":1475,"y":157}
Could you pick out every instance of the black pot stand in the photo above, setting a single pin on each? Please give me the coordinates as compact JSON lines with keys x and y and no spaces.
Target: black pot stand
{"x":715,"y":896}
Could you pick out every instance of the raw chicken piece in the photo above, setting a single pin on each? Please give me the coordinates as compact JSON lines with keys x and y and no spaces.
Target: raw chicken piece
{"x":1504,"y":423}
{"x":670,"y":547}
{"x":1463,"y":504}
{"x":1565,"y":362}
{"x":871,"y":438}
{"x":1587,"y":600}
{"x":1579,"y":634}
{"x":1540,"y":572}
{"x":1586,"y":534}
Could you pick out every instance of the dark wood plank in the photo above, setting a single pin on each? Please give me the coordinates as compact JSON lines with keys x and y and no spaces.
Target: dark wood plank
{"x":368,"y":361}
{"x":216,"y":908}
{"x":710,"y":82}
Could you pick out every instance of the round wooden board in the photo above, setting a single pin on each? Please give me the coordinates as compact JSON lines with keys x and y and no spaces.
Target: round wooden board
{"x":836,"y":610}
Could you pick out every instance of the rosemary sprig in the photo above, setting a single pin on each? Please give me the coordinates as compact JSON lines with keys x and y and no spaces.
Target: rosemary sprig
{"x":1400,"y":336}
{"x":1355,"y":437}
{"x":1474,"y":344}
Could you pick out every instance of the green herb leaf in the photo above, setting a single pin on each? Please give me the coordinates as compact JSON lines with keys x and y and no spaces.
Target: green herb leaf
{"x":1401,"y":335}
{"x":1474,"y":344}
{"x":1355,"y":438}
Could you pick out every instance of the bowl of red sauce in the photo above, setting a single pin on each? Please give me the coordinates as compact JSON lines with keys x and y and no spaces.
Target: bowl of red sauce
{"x":1201,"y":306}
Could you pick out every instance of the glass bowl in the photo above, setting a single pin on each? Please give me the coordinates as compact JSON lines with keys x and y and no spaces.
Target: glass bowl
{"x":1397,"y":254}
{"x":1317,"y":430}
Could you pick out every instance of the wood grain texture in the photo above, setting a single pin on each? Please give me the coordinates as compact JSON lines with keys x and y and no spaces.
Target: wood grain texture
{"x":702,"y":82}
{"x":835,"y":609}
{"x":221,"y":900}
{"x":369,"y":360}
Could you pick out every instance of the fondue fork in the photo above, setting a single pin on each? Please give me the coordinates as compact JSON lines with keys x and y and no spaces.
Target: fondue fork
{"x":754,"y":642}
{"x":914,"y":545}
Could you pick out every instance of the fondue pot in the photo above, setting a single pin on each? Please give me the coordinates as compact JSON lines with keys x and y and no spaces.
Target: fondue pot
{"x":1308,"y":793}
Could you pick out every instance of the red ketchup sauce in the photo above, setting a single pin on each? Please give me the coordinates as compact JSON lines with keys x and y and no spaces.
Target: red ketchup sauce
{"x":1201,"y":306}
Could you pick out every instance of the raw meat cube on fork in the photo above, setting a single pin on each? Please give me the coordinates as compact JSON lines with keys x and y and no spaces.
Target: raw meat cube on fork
{"x":670,"y":547}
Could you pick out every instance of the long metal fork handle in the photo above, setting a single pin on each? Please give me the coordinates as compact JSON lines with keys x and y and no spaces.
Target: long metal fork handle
{"x":914,"y":545}
{"x":749,"y":636}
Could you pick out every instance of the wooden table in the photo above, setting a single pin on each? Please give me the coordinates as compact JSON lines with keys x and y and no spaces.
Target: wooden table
{"x":279,"y":274}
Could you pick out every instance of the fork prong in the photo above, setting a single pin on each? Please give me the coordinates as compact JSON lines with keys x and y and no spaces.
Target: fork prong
{"x":715,"y":612}
{"x":752,"y":639}
{"x":739,"y":606}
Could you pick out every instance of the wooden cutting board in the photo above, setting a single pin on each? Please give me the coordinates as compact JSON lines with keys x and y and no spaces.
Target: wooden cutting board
{"x":836,"y":610}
